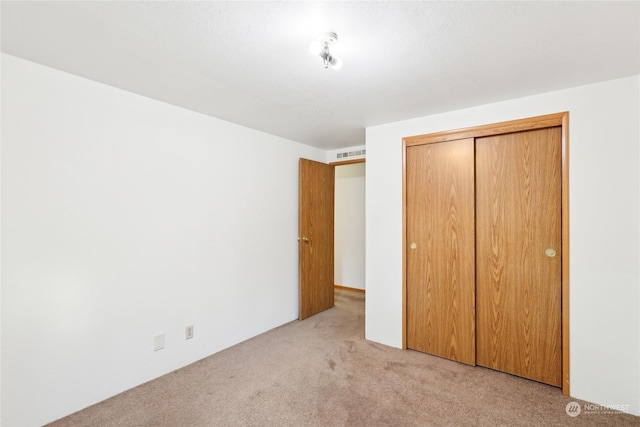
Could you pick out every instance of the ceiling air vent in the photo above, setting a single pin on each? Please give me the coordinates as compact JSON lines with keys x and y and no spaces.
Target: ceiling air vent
{"x":348,"y":154}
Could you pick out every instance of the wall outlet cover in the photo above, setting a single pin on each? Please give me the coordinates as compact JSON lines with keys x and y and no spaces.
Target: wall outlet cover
{"x":158,"y":342}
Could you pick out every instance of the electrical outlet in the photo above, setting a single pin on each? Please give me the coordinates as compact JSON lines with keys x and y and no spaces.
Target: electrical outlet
{"x":188,"y":332}
{"x":158,"y":342}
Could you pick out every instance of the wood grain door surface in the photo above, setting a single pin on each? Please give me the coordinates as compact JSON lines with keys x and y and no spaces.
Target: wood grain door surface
{"x":518,"y":247}
{"x":315,"y":238}
{"x":440,"y":252}
{"x":483,"y":235}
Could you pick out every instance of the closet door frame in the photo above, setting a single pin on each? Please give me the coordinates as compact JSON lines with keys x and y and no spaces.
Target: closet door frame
{"x":539,"y":122}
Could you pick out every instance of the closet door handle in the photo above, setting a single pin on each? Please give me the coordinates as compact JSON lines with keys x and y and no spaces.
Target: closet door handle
{"x":550,"y":253}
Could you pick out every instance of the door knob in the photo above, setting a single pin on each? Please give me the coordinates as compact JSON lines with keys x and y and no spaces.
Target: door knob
{"x":413,"y":245}
{"x":305,"y":239}
{"x":550,"y":253}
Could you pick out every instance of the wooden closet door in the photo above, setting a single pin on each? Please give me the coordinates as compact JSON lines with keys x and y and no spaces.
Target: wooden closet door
{"x":518,"y":265}
{"x":440,"y":249}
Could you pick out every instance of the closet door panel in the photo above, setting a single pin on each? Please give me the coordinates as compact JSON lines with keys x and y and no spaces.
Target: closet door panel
{"x":440,"y":249}
{"x":518,"y":251}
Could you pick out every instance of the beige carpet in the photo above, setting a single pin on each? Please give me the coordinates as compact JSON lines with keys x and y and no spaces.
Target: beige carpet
{"x":321,"y":372}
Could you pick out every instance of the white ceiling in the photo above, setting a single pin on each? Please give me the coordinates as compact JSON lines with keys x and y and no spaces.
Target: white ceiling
{"x":248,"y":62}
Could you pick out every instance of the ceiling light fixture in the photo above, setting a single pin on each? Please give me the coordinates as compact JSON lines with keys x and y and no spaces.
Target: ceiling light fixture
{"x":320,"y":47}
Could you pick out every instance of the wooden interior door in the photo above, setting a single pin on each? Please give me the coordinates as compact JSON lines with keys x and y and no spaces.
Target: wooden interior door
{"x":518,"y":248}
{"x":315,"y":248}
{"x":440,"y":253}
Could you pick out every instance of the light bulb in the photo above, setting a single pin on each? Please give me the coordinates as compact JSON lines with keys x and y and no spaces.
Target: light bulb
{"x":316,"y":48}
{"x":336,"y":63}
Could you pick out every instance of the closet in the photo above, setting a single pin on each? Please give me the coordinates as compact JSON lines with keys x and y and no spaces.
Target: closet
{"x":483,"y":246}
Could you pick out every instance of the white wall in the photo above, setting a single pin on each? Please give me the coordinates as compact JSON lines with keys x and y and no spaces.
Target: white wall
{"x":604,"y":127}
{"x":349,"y":226}
{"x":124,"y":218}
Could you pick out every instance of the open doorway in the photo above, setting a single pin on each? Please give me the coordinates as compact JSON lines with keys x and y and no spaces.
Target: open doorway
{"x":316,"y":219}
{"x":349,"y":226}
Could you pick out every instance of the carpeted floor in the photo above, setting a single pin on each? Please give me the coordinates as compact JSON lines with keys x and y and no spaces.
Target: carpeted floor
{"x":321,"y":372}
